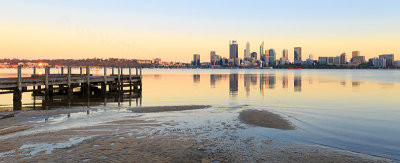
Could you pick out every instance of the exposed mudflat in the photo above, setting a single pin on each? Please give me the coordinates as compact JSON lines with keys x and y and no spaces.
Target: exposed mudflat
{"x":134,"y":138}
{"x":265,"y":119}
{"x":167,"y":108}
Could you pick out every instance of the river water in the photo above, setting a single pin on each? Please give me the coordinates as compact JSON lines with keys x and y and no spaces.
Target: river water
{"x":354,"y":110}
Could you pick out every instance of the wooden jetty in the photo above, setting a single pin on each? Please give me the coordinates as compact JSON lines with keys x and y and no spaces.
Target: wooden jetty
{"x":48,"y":84}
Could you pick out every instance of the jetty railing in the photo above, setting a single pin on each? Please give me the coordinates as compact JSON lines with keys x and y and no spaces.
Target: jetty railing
{"x":88,"y":83}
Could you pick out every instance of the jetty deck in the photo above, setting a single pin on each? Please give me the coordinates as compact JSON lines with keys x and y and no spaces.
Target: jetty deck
{"x":48,"y":84}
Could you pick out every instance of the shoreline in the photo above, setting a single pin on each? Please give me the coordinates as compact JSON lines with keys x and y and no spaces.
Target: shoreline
{"x":136,"y":137}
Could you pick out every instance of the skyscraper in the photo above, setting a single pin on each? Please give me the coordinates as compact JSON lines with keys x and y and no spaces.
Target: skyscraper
{"x":213,"y":57}
{"x":196,"y":60}
{"x":285,"y":55}
{"x":389,"y":59}
{"x":343,"y":59}
{"x":297,"y":55}
{"x":262,"y":48}
{"x":233,"y":49}
{"x":247,"y":51}
{"x":272,"y":57}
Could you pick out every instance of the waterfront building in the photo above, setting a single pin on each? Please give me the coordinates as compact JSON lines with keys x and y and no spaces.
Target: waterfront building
{"x":196,"y":60}
{"x":343,"y":59}
{"x":357,"y":60}
{"x":247,"y":51}
{"x":297,"y":55}
{"x":271,"y":57}
{"x":310,"y":60}
{"x":355,"y":54}
{"x":254,"y":55}
{"x":336,"y":60}
{"x":285,"y":55}
{"x":323,"y":60}
{"x":330,"y":61}
{"x":233,"y":49}
{"x":389,"y":59}
{"x":213,"y":58}
{"x":262,"y":49}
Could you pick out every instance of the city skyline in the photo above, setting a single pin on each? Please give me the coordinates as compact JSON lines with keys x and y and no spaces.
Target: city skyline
{"x":173,"y":30}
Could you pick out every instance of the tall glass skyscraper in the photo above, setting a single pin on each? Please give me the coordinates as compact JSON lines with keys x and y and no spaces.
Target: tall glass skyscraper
{"x":233,"y":49}
{"x":196,"y":60}
{"x":262,"y":49}
{"x":297,"y":54}
{"x":272,"y":57}
{"x":247,"y":51}
{"x":285,"y":55}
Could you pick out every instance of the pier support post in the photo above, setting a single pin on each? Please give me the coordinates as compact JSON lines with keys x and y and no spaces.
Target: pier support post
{"x":112,"y":70}
{"x":46,"y":79}
{"x":88,"y":79}
{"x":17,"y":97}
{"x":19,"y":78}
{"x":70,"y":89}
{"x":62,"y":70}
{"x":34,"y":70}
{"x":119,"y":79}
{"x":80,"y":70}
{"x":130,"y":79}
{"x":140,"y":72}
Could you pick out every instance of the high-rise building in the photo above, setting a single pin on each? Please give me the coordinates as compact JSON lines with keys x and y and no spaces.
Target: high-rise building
{"x":323,"y":60}
{"x":389,"y":59}
{"x":196,"y":60}
{"x":254,"y":55}
{"x":355,"y":54}
{"x":213,"y":58}
{"x":247,"y":51}
{"x":262,"y":48}
{"x":233,"y":50}
{"x":343,"y":58}
{"x":297,"y":55}
{"x":272,"y":57}
{"x":285,"y":54}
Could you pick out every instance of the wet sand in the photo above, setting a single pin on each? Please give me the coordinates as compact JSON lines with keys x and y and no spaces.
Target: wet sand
{"x":137,"y":139}
{"x":265,"y":119}
{"x":167,"y":108}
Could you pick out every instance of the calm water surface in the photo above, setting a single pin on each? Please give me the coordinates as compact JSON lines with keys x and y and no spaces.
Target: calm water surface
{"x":355,"y":110}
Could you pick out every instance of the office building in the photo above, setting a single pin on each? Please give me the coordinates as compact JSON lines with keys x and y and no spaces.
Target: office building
{"x":389,"y":59}
{"x":285,"y":55}
{"x":247,"y":51}
{"x":196,"y":60}
{"x":254,"y":55}
{"x":323,"y":60}
{"x":271,"y":57}
{"x":297,"y":55}
{"x":233,"y":50}
{"x":262,"y":48}
{"x":343,"y":59}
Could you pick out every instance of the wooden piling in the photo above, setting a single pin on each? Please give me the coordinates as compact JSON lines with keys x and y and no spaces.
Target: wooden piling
{"x":62,"y":70}
{"x":19,"y":82}
{"x":130,"y":78}
{"x":34,"y":70}
{"x":46,"y":80}
{"x":88,"y":78}
{"x":70,"y":89}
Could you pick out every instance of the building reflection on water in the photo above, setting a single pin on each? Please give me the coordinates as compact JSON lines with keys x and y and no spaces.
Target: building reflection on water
{"x":196,"y":78}
{"x":233,"y":84}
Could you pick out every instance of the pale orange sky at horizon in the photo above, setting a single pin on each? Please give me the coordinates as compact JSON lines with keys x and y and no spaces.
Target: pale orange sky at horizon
{"x":53,"y":32}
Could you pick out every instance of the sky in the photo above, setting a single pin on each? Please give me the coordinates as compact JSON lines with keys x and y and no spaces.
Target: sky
{"x":174,"y":30}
